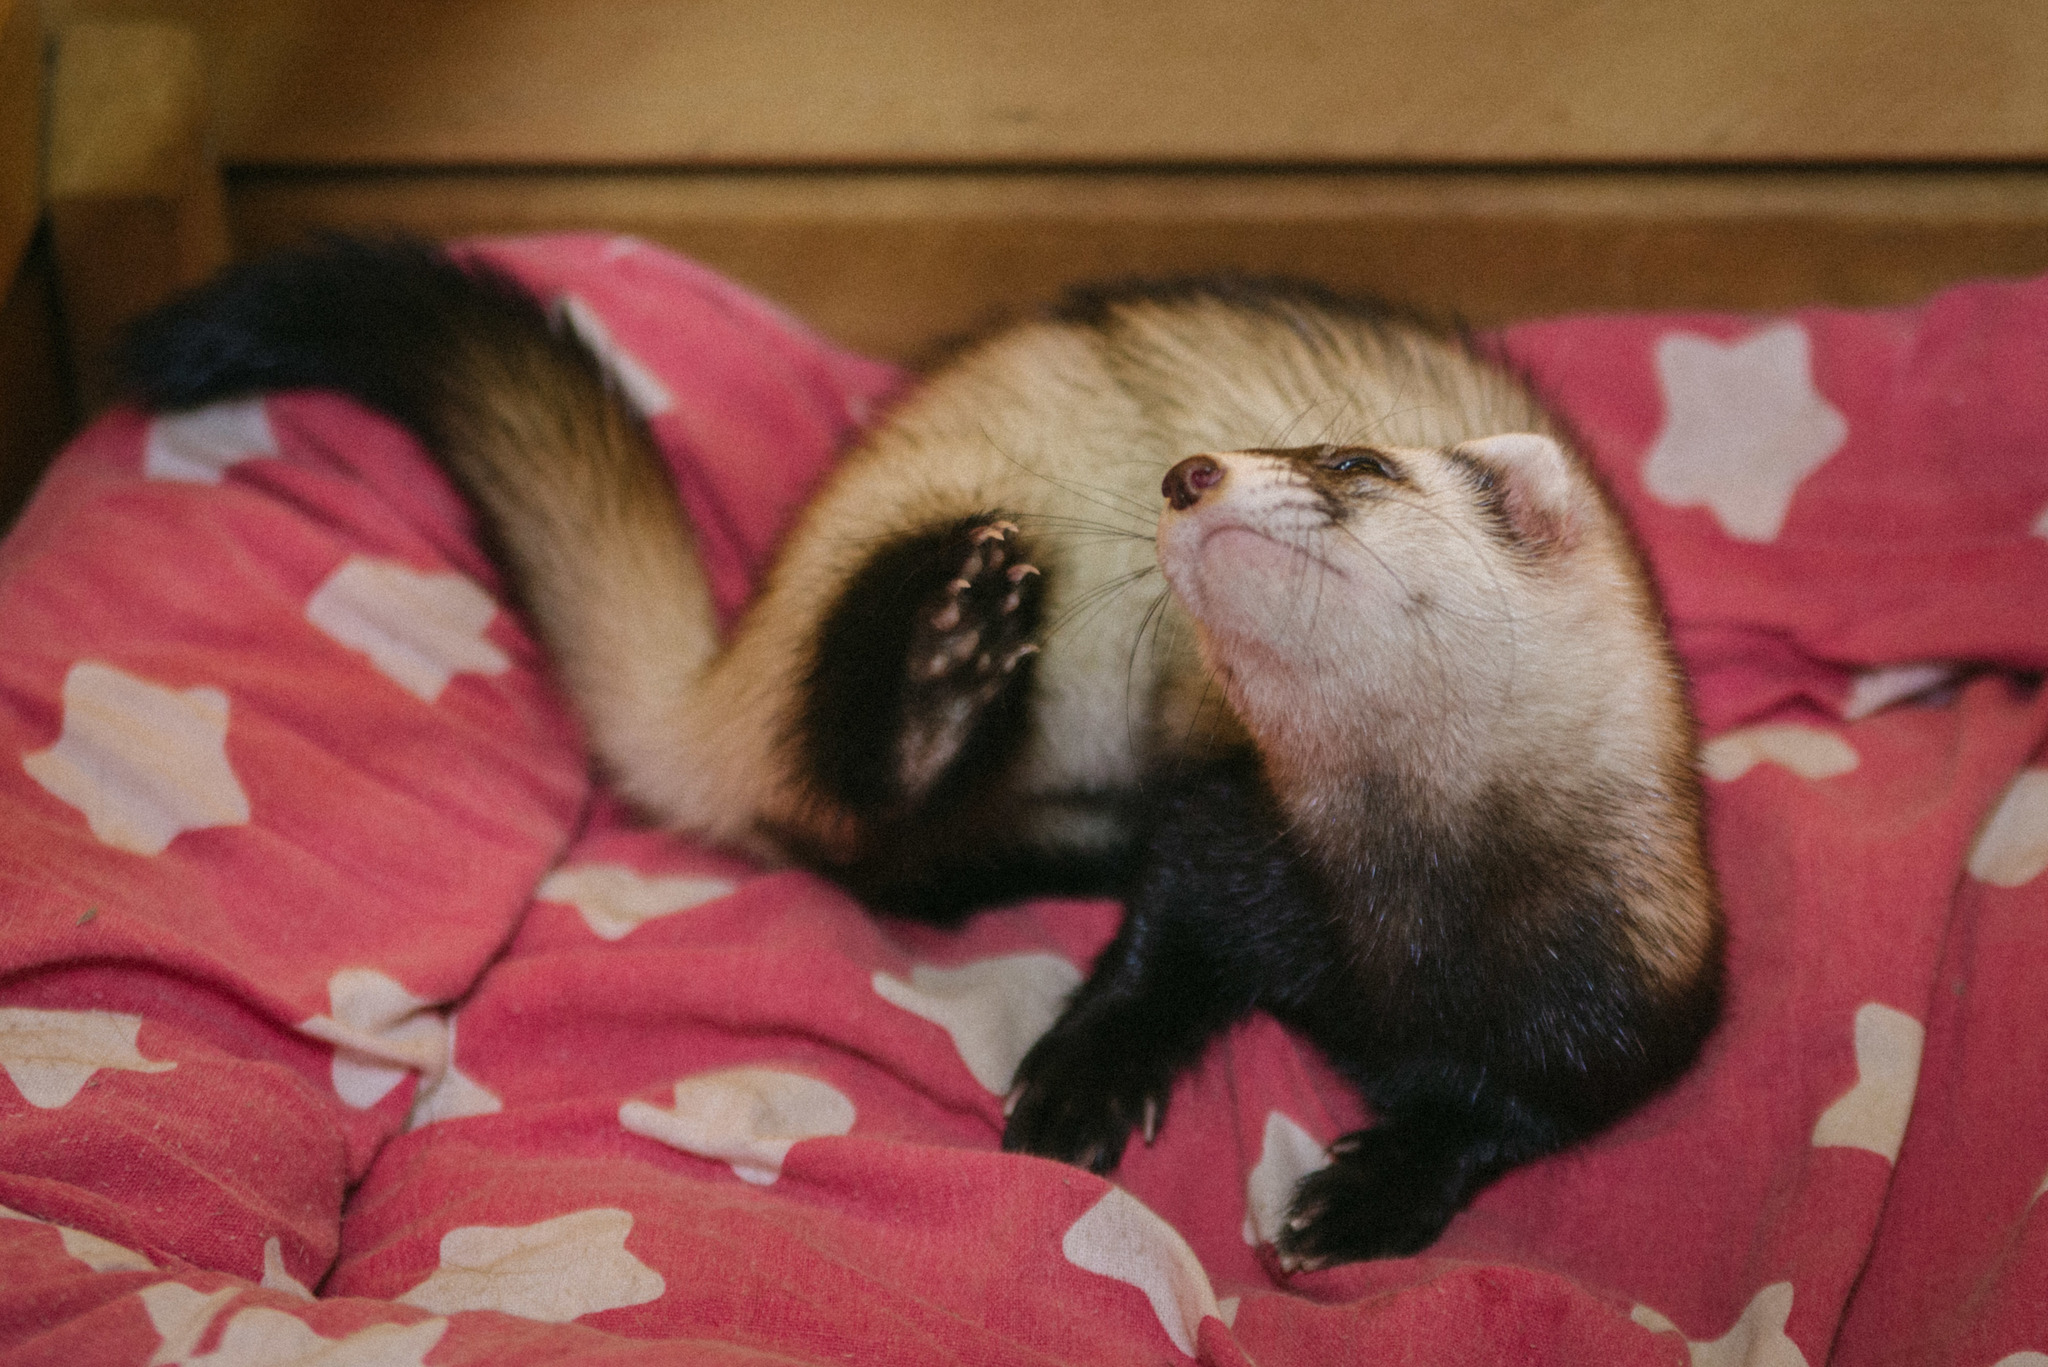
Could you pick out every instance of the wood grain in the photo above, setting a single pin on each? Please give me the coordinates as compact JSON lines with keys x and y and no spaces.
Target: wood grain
{"x":888,"y":262}
{"x":988,"y":82}
{"x":36,"y":410}
{"x":21,"y":132}
{"x":134,"y":197}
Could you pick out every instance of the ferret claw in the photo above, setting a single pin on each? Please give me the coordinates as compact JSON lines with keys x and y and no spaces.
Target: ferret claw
{"x":962,"y":652}
{"x":1017,"y":574}
{"x":1016,"y":1095}
{"x":1011,"y":660}
{"x":1150,"y":1127}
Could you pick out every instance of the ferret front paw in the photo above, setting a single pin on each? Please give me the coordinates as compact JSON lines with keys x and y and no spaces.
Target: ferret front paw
{"x":967,"y":646}
{"x":1378,"y":1198}
{"x":1078,"y":1099}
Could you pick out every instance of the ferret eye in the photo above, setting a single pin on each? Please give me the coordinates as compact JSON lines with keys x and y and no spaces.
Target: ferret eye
{"x":1360,"y":464}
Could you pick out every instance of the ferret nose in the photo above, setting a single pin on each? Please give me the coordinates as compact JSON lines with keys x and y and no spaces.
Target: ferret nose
{"x":1185,"y":482}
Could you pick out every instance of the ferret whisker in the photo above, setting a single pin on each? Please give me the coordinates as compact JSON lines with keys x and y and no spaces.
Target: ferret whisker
{"x":1107,"y":500}
{"x":1347,"y":407}
{"x":1473,"y":541}
{"x":1280,"y":438}
{"x":1154,"y":612}
{"x":1209,"y":705}
{"x":1380,"y":560}
{"x":1071,"y":531}
{"x":1059,"y":521}
{"x":1095,"y":600}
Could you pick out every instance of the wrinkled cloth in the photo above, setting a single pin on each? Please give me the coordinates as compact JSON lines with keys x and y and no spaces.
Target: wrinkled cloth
{"x":341,"y":1013}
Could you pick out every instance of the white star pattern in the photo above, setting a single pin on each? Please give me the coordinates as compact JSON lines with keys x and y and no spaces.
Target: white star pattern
{"x":198,"y":447}
{"x":278,"y":1277}
{"x":1807,"y":751}
{"x":380,"y":1032}
{"x":1121,"y":1237}
{"x":1872,"y":1114}
{"x":1877,"y":689}
{"x":995,"y":1009}
{"x":262,"y":1337}
{"x":1287,"y":1154}
{"x":749,"y":1118}
{"x":648,"y":396}
{"x":2012,"y":849}
{"x":614,"y":900}
{"x":452,"y":1095}
{"x":51,"y":1055}
{"x":180,"y":1317}
{"x":1652,"y":1320}
{"x":101,"y":1255}
{"x":419,"y":629}
{"x":1756,"y":1340}
{"x":142,"y":762}
{"x":556,"y":1270}
{"x":1743,"y":426}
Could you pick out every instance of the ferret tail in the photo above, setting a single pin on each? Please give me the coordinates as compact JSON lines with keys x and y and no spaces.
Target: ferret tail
{"x":575,"y":500}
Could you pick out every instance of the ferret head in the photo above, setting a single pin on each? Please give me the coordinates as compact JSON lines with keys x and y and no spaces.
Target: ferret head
{"x":1424,"y":598}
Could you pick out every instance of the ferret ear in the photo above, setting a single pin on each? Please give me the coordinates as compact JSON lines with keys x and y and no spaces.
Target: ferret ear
{"x":1534,"y":484}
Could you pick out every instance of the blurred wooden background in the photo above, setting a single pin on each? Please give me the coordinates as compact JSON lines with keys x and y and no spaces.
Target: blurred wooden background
{"x":895,"y":170}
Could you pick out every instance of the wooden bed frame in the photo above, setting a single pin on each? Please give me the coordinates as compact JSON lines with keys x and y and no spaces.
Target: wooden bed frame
{"x":897,"y":170}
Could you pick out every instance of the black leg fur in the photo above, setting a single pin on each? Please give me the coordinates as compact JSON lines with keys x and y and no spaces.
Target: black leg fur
{"x":1390,"y":1189}
{"x":923,"y":668}
{"x":1107,"y":1066}
{"x":917,"y":702}
{"x":1219,"y":922}
{"x":1474,"y":1058}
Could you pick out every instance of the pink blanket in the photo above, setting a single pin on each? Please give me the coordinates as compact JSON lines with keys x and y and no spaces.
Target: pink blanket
{"x":342,"y":1020}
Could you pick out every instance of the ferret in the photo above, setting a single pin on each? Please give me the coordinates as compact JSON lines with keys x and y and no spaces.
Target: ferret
{"x":1401,"y":756}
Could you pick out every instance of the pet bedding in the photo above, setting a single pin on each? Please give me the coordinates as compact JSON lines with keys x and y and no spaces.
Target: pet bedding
{"x":345,"y":1019}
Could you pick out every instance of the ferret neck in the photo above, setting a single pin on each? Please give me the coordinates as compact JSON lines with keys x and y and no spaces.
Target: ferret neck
{"x":1319,"y":740}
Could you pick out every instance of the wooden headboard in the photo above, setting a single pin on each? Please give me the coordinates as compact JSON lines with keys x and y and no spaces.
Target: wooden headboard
{"x":895,"y":170}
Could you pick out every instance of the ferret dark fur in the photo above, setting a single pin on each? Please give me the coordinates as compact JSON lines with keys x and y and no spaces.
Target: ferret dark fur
{"x":1406,"y":764}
